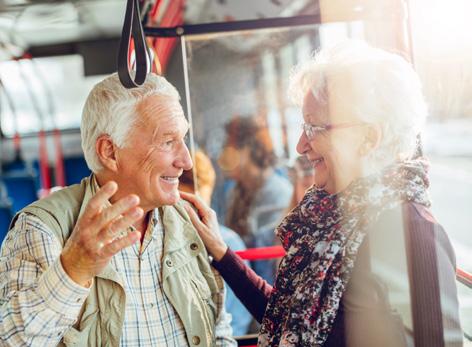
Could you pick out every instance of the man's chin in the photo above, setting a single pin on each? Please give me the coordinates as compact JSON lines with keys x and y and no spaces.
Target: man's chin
{"x":170,"y":199}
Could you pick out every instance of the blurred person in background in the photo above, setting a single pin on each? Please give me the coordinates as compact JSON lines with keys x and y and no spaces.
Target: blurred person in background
{"x":205,"y":182}
{"x":366,"y":262}
{"x":260,"y":194}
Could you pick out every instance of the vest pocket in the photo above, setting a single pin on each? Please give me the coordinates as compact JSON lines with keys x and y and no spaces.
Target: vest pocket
{"x":202,"y":287}
{"x":203,"y":292}
{"x":86,"y":329}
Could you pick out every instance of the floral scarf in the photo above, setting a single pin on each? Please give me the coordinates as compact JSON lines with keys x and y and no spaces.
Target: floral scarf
{"x":321,"y":237}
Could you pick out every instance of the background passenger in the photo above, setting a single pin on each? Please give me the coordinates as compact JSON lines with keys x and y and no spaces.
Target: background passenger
{"x":366,"y":263}
{"x":260,"y":195}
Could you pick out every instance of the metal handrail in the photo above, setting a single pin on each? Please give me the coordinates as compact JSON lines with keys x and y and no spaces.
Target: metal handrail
{"x":240,"y":25}
{"x":464,"y":277}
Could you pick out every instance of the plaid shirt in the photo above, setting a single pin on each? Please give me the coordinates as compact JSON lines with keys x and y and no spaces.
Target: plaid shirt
{"x":39,"y":301}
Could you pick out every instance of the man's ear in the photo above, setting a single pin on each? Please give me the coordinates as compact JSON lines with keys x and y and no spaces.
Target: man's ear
{"x":372,"y":138}
{"x":105,"y":149}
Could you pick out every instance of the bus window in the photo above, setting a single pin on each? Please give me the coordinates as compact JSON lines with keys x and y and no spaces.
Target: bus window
{"x":47,"y":93}
{"x":442,"y":43}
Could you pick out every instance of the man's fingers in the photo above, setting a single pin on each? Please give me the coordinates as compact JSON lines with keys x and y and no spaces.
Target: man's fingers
{"x":121,"y":223}
{"x":117,"y":245}
{"x":97,"y":202}
{"x":116,"y":210}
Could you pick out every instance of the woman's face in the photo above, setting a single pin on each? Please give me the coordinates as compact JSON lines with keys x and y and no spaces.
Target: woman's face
{"x":336,"y":153}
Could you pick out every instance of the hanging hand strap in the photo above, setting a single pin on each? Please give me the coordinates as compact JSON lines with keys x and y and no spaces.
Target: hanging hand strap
{"x":132,"y":26}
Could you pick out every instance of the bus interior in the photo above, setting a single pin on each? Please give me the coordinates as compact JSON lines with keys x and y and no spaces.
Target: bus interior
{"x":227,"y":59}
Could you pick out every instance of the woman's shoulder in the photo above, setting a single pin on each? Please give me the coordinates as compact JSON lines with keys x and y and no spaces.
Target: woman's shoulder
{"x":422,"y":233}
{"x":419,"y":213}
{"x":410,"y":231}
{"x":413,"y":217}
{"x":422,"y":226}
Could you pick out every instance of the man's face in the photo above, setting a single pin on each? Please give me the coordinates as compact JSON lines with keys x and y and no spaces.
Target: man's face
{"x":155,"y":154}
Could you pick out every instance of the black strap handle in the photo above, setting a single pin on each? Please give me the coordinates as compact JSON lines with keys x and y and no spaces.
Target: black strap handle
{"x":132,"y":26}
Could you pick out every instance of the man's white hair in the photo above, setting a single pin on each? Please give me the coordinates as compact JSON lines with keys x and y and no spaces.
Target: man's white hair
{"x":110,"y":109}
{"x":383,"y":89}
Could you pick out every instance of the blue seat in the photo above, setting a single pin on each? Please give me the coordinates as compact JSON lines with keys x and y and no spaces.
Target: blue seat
{"x":19,"y":165}
{"x":35,"y":169}
{"x":6,"y":215}
{"x":75,"y":169}
{"x":16,"y":164}
{"x":21,"y":188}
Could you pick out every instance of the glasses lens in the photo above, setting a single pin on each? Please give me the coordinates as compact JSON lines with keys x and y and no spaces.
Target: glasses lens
{"x":308,"y":129}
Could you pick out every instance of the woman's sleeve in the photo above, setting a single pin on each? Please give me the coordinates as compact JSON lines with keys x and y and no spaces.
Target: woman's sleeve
{"x":252,"y":290}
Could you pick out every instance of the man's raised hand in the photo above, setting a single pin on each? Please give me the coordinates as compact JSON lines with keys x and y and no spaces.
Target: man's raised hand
{"x":94,"y":239}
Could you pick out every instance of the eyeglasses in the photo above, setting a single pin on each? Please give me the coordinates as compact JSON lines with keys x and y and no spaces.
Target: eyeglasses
{"x":311,"y":130}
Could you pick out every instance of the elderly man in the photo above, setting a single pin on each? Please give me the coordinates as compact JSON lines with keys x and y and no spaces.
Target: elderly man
{"x":114,"y":260}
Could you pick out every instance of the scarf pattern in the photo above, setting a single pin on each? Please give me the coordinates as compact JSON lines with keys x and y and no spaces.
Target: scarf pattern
{"x":321,"y":237}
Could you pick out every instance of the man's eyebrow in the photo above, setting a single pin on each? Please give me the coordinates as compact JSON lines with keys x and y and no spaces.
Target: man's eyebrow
{"x":170,"y":133}
{"x":175,"y":132}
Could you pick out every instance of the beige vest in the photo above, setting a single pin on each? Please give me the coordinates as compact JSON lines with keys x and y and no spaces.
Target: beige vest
{"x":188,"y":280}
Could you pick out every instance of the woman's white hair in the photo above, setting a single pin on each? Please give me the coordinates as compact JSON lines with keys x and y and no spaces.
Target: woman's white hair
{"x":383,"y":89}
{"x":110,"y":109}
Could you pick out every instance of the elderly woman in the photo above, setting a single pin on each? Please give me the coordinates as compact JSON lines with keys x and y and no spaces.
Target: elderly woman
{"x":366,"y":263}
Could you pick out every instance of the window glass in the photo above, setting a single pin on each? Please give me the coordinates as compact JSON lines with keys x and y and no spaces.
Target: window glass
{"x":43,"y":93}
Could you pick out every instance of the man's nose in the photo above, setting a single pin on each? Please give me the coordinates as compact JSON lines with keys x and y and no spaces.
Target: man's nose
{"x":184,"y":160}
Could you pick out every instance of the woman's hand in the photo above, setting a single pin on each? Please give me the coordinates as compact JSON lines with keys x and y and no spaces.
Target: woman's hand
{"x":206,"y":224}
